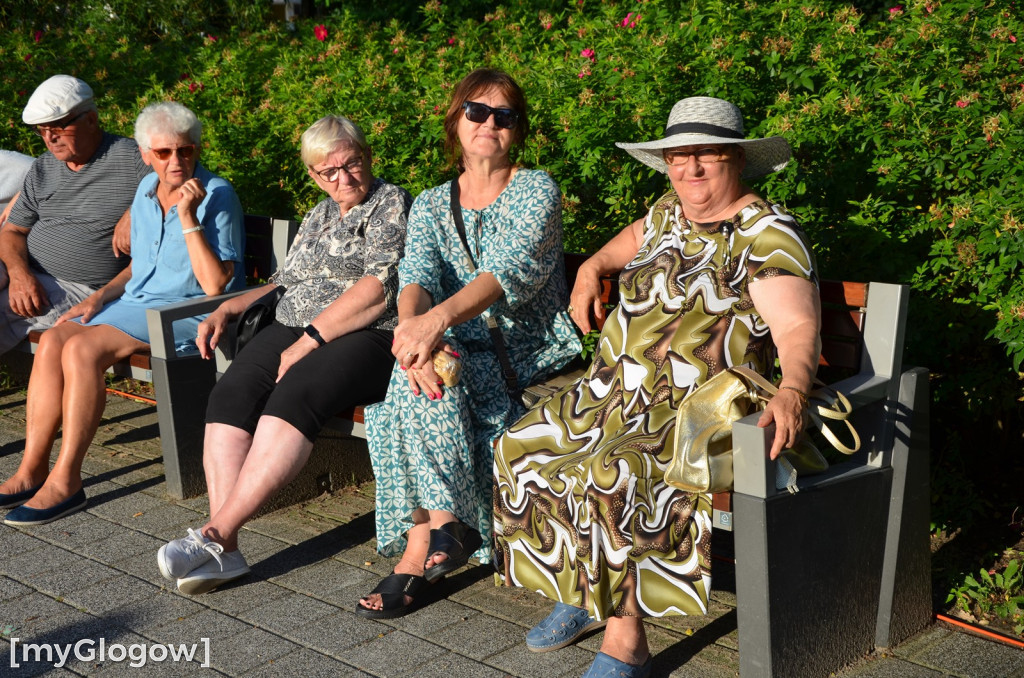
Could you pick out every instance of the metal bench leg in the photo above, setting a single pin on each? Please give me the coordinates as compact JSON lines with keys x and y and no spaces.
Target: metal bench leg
{"x":182,"y":390}
{"x":905,"y":606}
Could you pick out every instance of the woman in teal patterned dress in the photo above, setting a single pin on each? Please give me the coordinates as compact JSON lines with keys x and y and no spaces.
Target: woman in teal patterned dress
{"x":582,"y":512}
{"x":432,"y":446}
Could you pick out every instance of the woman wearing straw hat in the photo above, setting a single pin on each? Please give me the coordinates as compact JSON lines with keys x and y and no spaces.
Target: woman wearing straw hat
{"x":712,"y":277}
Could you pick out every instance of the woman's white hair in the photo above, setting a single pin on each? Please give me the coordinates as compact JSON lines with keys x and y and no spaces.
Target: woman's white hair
{"x":328,"y":133}
{"x":167,"y":117}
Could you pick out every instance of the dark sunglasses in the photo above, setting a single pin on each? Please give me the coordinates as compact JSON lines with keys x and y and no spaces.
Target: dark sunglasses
{"x":183,"y":152}
{"x":505,"y":118}
{"x":59,"y":129}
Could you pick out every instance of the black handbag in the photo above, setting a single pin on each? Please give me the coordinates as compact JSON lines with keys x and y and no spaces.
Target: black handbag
{"x":258,"y":315}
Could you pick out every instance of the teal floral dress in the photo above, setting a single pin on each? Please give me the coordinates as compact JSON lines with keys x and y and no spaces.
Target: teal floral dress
{"x":438,"y":454}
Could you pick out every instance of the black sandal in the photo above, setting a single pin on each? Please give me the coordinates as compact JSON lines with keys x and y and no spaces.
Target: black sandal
{"x":393,"y":589}
{"x":456,"y":540}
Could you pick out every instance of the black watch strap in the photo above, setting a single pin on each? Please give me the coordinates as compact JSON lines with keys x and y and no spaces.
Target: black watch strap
{"x":313,"y":332}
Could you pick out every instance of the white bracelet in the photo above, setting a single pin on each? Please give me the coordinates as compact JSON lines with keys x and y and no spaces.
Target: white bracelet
{"x":185,"y":231}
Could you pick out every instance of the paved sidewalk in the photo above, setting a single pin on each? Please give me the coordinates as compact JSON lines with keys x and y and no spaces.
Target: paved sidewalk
{"x":92,"y":577}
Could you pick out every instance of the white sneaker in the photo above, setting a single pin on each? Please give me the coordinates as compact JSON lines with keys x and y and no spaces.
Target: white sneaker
{"x":210,"y":575}
{"x":178,"y":557}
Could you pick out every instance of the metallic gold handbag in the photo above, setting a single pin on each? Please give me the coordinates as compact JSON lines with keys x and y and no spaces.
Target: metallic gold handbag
{"x":702,"y":458}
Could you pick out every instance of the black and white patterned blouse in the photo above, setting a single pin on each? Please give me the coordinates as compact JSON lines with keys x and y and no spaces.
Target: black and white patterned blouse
{"x":331,"y":253}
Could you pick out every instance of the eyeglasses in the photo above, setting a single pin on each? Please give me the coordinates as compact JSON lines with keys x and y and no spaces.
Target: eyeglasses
{"x":705,"y":156}
{"x":58,"y":130}
{"x":504,"y":118}
{"x":330,"y":174}
{"x":183,"y":152}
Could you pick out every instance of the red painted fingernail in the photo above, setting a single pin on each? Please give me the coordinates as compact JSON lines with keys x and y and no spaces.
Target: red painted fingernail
{"x":403,"y":367}
{"x":415,"y":392}
{"x":456,"y":354}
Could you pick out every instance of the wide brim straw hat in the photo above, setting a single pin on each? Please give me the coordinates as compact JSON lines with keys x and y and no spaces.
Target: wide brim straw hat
{"x":695,"y":121}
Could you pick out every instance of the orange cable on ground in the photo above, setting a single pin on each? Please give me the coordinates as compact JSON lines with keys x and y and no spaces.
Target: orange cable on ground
{"x":993,"y":635}
{"x":131,"y":396}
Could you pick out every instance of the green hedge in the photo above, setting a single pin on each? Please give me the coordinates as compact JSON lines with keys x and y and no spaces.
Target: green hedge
{"x":905,"y":123}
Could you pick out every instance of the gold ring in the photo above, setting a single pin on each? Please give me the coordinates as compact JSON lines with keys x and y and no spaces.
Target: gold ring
{"x":569,"y":308}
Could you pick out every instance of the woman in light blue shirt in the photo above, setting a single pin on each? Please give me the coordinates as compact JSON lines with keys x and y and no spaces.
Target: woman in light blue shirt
{"x":187,"y":241}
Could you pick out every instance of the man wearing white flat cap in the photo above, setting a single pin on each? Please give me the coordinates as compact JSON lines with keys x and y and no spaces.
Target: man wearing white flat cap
{"x":59,"y":245}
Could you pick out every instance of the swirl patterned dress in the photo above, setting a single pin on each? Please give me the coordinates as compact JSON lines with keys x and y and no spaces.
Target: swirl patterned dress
{"x":438,"y":454}
{"x":582,"y":513}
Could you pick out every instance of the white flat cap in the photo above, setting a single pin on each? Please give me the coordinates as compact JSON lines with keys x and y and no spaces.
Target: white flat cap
{"x":55,"y":99}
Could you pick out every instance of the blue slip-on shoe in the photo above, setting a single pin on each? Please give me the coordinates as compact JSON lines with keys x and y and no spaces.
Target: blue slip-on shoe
{"x":16,"y":499}
{"x":605,"y":666}
{"x":23,"y":515}
{"x":564,"y":626}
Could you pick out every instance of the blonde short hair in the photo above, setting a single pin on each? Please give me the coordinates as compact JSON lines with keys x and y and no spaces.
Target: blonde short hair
{"x":328,"y":133}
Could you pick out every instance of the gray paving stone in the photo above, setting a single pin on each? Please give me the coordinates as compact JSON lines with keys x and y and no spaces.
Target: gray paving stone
{"x":966,"y":655}
{"x":108,"y":594}
{"x":452,"y":665}
{"x":519,"y":661}
{"x":43,"y":559}
{"x":61,"y":582}
{"x":478,"y":637}
{"x":306,"y":663}
{"x":890,"y":667}
{"x":121,"y":544}
{"x":284,"y":614}
{"x":433,"y":618}
{"x":121,"y":508}
{"x":14,"y":542}
{"x":152,"y":613}
{"x":164,"y":521}
{"x":392,"y":654}
{"x":248,"y":650}
{"x":205,"y":624}
{"x":324,"y":577}
{"x":143,"y":565}
{"x":241,"y":595}
{"x":257,"y":547}
{"x":10,"y":589}
{"x":333,"y":634}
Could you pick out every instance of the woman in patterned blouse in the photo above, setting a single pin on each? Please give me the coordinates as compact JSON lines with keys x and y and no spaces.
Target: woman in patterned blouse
{"x":328,"y":349}
{"x":431,"y":446}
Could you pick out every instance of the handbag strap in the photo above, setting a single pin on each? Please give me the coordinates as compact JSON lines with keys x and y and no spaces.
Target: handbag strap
{"x":834,"y":406}
{"x":509,"y":374}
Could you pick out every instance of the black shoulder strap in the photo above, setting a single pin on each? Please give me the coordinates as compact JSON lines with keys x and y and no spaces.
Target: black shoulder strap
{"x":460,"y":225}
{"x":511,"y":380}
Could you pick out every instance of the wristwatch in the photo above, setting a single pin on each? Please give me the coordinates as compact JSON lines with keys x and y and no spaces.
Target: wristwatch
{"x":313,"y":332}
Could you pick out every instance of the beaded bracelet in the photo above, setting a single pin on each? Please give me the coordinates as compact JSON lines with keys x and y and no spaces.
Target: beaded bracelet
{"x":803,"y":396}
{"x":186,"y":231}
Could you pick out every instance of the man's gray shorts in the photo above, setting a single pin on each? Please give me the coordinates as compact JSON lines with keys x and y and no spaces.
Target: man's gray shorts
{"x":62,"y":294}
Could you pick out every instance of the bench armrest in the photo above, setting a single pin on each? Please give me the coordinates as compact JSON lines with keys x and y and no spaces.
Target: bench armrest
{"x":754,"y":472}
{"x":161,"y":318}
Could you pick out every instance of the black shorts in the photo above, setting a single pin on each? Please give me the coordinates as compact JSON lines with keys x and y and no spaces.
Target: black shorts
{"x":351,"y":370}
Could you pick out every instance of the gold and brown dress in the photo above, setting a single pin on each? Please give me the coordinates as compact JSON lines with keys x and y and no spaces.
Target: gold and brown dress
{"x":582,"y":512}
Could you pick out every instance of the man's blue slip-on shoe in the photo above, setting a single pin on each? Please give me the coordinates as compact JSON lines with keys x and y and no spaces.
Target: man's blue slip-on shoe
{"x":564,"y":626}
{"x":605,"y":666}
{"x":23,"y":515}
{"x":16,"y":499}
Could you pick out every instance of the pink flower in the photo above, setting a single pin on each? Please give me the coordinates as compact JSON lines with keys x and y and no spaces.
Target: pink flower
{"x":38,"y":36}
{"x":588,"y":53}
{"x":625,"y":22}
{"x":394,"y":51}
{"x":961,"y":104}
{"x":192,"y":87}
{"x":451,"y":41}
{"x":27,"y":57}
{"x":581,"y":74}
{"x":547,"y":26}
{"x":1013,"y":38}
{"x":212,"y":38}
{"x":896,"y":9}
{"x":320,"y":32}
{"x":184,"y":76}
